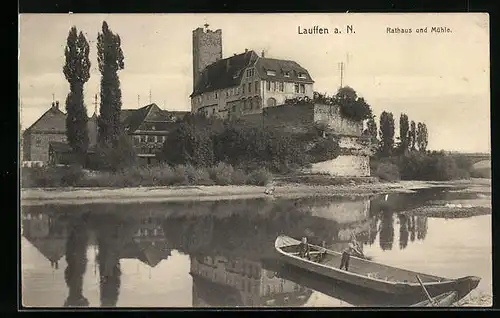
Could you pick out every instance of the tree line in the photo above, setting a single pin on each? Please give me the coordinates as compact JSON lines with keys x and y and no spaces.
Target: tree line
{"x":412,"y":136}
{"x":407,"y":157}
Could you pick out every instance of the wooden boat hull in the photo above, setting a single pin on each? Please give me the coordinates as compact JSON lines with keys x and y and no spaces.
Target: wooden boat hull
{"x":443,"y":300}
{"x":360,"y":275}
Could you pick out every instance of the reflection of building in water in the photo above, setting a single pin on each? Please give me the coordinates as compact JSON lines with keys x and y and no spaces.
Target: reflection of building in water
{"x":351,"y":216}
{"x":343,"y":212}
{"x":219,"y":281}
{"x":148,"y":244}
{"x":47,"y":234}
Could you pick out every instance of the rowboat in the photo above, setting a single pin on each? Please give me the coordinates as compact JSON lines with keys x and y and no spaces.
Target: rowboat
{"x":368,"y":274}
{"x":443,"y":300}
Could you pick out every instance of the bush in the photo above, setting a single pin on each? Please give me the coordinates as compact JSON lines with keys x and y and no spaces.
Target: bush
{"x":260,"y":177}
{"x":239,"y":177}
{"x":387,"y":171}
{"x":221,"y":174}
{"x":113,"y":158}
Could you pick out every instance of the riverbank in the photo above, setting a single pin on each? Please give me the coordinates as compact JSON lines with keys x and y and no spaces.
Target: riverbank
{"x":38,"y":196}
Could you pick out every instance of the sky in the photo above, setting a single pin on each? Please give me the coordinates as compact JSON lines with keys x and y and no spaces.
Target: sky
{"x":441,"y":79}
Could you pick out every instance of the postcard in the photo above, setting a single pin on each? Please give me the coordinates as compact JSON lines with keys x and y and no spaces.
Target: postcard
{"x":255,"y":160}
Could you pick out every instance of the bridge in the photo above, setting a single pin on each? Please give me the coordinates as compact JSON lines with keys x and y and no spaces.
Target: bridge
{"x":473,"y":157}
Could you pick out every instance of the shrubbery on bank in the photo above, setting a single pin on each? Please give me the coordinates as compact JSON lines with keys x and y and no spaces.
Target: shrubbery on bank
{"x":428,"y":166}
{"x":161,"y":175}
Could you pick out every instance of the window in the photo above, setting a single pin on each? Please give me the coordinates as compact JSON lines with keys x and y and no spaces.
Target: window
{"x":250,"y":72}
{"x":38,"y":141}
{"x":243,"y":89}
{"x":151,"y":138}
{"x":250,"y":104}
{"x":302,"y":75}
{"x":213,"y":111}
{"x":153,"y":127}
{"x":233,"y":109}
{"x":273,"y":86}
{"x":249,"y":87}
{"x":256,"y":87}
{"x":287,"y":74}
{"x":216,"y":95}
{"x":297,"y":88}
{"x":237,"y":90}
{"x":302,"y":88}
{"x":137,"y":140}
{"x":282,"y":87}
{"x":143,"y":138}
{"x":271,"y":73}
{"x":268,"y":85}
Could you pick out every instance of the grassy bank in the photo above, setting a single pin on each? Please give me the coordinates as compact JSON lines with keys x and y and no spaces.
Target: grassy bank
{"x":161,"y":175}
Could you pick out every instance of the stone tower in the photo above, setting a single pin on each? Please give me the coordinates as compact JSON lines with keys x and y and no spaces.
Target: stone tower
{"x":207,"y":49}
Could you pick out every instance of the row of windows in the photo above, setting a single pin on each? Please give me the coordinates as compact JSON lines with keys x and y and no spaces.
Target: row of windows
{"x":280,"y":87}
{"x":148,"y":138}
{"x":234,"y":91}
{"x":286,"y":74}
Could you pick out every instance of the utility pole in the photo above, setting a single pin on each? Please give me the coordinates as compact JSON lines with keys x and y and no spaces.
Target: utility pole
{"x":341,"y":66}
{"x":150,"y":95}
{"x":53,"y":97}
{"x":95,"y":104}
{"x":138,"y":100}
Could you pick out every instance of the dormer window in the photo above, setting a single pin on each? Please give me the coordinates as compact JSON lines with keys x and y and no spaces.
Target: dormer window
{"x":302,"y":75}
{"x":287,"y":74}
{"x":271,"y":73}
{"x":250,"y":72}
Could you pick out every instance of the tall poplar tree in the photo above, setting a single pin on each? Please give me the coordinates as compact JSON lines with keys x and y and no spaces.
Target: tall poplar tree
{"x":412,"y":136}
{"x":403,"y":133}
{"x":77,"y":73}
{"x":111,"y":60}
{"x":386,"y":133}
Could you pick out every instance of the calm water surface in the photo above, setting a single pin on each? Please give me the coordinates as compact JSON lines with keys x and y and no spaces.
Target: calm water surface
{"x":206,"y":254}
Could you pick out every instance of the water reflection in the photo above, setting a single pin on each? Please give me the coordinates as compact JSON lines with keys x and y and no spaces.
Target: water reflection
{"x":76,"y":260}
{"x":225,"y":241}
{"x":220,"y":281}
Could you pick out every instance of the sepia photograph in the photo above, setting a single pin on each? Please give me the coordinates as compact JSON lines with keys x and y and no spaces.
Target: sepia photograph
{"x":255,"y":160}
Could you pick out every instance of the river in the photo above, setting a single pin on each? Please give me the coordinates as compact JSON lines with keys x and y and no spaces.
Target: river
{"x":215,"y":254}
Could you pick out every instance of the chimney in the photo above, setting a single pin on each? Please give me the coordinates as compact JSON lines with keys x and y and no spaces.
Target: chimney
{"x":57,"y":104}
{"x":246,"y":50}
{"x":263,"y":53}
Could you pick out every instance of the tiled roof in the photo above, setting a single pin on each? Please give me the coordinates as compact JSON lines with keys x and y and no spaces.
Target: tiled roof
{"x":224,"y":73}
{"x":53,"y":120}
{"x":229,"y":71}
{"x":150,"y":115}
{"x":282,"y":67}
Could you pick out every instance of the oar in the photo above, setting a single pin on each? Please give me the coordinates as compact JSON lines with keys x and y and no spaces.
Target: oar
{"x":425,"y":291}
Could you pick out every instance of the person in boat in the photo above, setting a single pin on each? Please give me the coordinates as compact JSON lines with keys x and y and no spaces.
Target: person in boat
{"x":346,"y":255}
{"x":304,"y":248}
{"x":322,"y":254}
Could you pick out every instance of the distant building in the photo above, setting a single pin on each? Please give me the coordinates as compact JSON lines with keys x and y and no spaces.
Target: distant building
{"x":241,"y":84}
{"x":148,"y":128}
{"x":50,"y":128}
{"x":45,"y":141}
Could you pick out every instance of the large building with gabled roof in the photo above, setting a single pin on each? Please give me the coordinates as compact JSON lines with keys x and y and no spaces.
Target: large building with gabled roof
{"x":242,"y":84}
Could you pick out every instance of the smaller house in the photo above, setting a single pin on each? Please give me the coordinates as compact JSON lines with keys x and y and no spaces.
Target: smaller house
{"x":148,"y":128}
{"x":60,"y":153}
